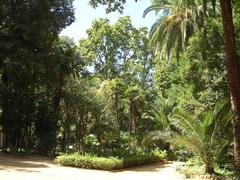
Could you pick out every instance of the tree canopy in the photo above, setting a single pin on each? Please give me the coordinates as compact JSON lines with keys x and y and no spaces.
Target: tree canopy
{"x":122,"y":90}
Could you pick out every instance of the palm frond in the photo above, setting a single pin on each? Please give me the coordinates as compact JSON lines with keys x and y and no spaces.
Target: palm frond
{"x":186,"y":122}
{"x":156,"y":8}
{"x":167,"y":31}
{"x":157,"y":135}
{"x":190,"y":142}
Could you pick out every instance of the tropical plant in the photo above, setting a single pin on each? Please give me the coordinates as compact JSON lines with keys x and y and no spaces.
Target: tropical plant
{"x":159,"y":115}
{"x":230,"y":50}
{"x":174,"y":27}
{"x":177,"y":22}
{"x":135,"y":100}
{"x":207,"y":135}
{"x":160,"y":111}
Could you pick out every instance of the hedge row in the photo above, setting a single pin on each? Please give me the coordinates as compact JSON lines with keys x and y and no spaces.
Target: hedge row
{"x":103,"y":163}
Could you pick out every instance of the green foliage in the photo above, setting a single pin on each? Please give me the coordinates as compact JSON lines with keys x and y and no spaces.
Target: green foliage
{"x":191,"y":34}
{"x":113,"y":5}
{"x":207,"y":136}
{"x":121,"y":58}
{"x":109,"y":163}
{"x":133,"y":161}
{"x":33,"y":68}
{"x":117,"y":51}
{"x":190,"y":170}
{"x":194,"y":166}
{"x":90,"y":162}
{"x":174,"y":27}
{"x":195,"y":84}
{"x":109,"y":95}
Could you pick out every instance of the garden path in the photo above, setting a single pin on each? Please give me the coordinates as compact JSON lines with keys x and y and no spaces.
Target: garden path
{"x":39,"y":169}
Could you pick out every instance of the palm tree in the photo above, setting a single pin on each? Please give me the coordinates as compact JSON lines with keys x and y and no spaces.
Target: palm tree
{"x":160,"y":112}
{"x":135,"y":99}
{"x":178,"y":19}
{"x":176,"y":24}
{"x":207,"y":135}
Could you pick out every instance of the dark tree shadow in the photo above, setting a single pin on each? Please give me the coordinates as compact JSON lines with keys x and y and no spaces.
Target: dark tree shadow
{"x":145,"y":168}
{"x":22,"y":165}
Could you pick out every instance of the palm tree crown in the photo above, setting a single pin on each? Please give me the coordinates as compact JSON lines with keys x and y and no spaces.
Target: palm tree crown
{"x":175,"y":25}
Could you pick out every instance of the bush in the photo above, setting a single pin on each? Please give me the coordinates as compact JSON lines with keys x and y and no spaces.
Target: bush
{"x":89,"y":162}
{"x":132,"y":161}
{"x":108,"y":163}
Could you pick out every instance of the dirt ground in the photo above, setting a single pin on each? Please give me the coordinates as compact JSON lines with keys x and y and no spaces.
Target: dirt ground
{"x":36,"y":169}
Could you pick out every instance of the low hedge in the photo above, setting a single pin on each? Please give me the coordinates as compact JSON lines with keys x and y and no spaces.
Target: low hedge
{"x":89,"y":162}
{"x":106,"y":163}
{"x":140,"y":160}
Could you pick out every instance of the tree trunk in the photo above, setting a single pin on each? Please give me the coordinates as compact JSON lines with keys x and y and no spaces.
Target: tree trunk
{"x":209,"y":170}
{"x":204,"y":38}
{"x":233,"y":75}
{"x":132,"y":118}
{"x":56,"y":108}
{"x":116,"y":106}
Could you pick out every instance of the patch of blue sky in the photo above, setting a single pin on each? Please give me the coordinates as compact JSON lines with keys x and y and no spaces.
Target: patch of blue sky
{"x":85,"y":14}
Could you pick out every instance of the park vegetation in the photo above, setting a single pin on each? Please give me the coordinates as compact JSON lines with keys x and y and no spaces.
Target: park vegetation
{"x":123,"y":93}
{"x":107,"y":162}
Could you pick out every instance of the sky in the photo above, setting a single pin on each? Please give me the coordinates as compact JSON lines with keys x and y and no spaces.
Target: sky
{"x":85,"y":14}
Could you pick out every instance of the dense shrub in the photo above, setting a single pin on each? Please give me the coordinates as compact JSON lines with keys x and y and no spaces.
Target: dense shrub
{"x":108,"y":163}
{"x":132,"y":161}
{"x":89,"y":162}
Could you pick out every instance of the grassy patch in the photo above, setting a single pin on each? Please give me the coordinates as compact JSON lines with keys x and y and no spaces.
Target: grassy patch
{"x":107,"y":163}
{"x":191,"y":170}
{"x":196,"y":171}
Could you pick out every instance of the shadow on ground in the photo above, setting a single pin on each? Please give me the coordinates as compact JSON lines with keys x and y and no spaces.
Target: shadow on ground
{"x":21,"y":165}
{"x":13,"y":168}
{"x":145,"y":168}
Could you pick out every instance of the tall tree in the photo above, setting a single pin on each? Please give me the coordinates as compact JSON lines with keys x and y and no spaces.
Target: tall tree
{"x":120,"y":56}
{"x":27,"y":63}
{"x":174,"y":27}
{"x":233,"y":75}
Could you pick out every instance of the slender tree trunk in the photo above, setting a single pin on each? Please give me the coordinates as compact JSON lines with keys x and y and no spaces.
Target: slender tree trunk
{"x":116,"y":106}
{"x":132,"y":125}
{"x":81,"y":130}
{"x":132,"y":119}
{"x":5,"y":113}
{"x":204,"y":48}
{"x":56,"y":108}
{"x":4,"y":126}
{"x":63,"y":144}
{"x":233,"y":75}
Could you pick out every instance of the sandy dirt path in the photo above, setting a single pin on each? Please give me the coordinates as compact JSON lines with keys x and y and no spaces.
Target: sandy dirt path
{"x":29,"y":169}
